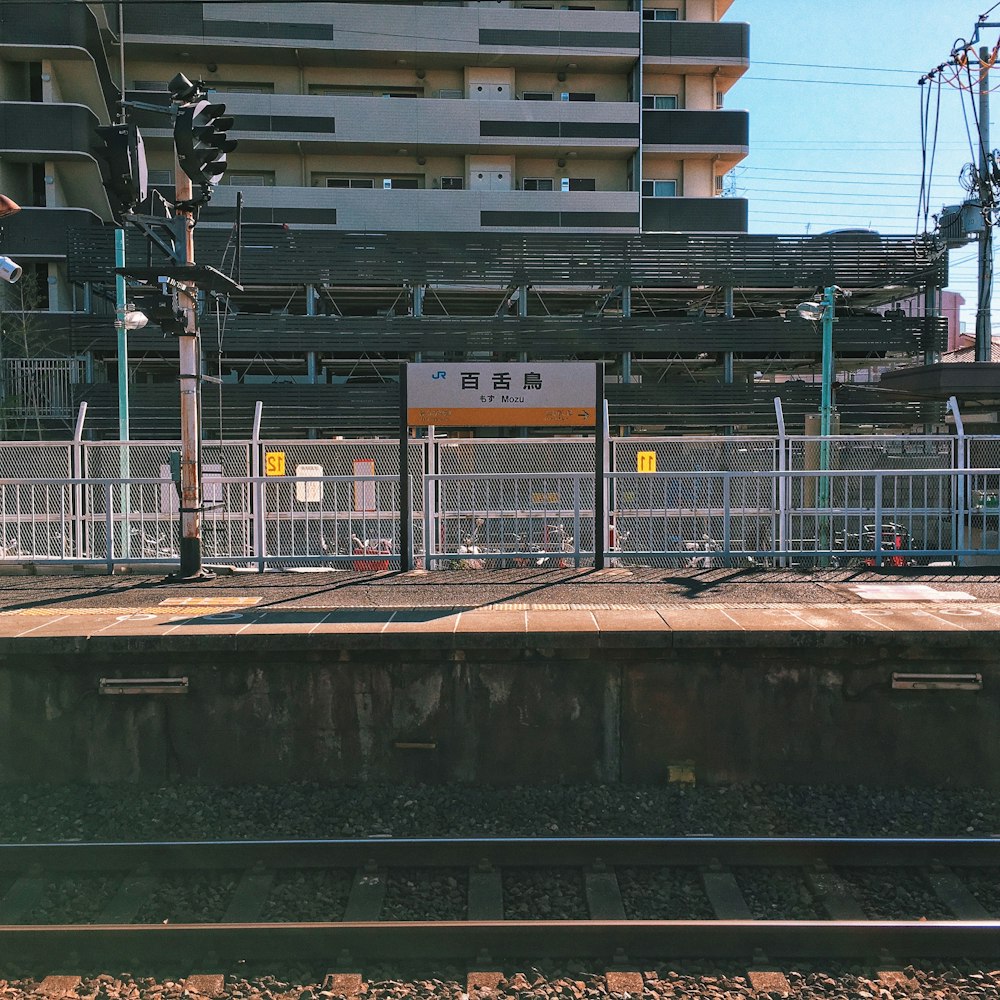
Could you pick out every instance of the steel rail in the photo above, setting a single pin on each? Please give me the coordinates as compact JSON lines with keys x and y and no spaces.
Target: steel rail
{"x":83,"y":856}
{"x":469,"y":940}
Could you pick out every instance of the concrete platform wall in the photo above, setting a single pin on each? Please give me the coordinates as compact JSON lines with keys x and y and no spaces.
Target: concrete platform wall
{"x":769,"y":707}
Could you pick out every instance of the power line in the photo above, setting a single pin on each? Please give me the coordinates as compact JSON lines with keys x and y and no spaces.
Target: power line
{"x":854,"y":69}
{"x":750,"y":77}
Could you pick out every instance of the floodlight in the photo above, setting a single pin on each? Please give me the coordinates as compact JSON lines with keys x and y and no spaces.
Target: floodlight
{"x":811,"y":311}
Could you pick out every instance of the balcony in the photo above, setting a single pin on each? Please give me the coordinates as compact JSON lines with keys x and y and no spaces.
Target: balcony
{"x":430,"y":210}
{"x":694,"y":215}
{"x":372,"y":125}
{"x":43,"y":233}
{"x":694,"y":132}
{"x":64,"y":133}
{"x":454,"y":36}
{"x":68,"y":35}
{"x":697,"y":47}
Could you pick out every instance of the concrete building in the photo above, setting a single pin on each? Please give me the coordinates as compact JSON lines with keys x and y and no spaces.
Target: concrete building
{"x":420,"y":180}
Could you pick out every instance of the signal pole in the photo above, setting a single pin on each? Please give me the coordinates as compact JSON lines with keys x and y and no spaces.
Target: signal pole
{"x":189,"y":351}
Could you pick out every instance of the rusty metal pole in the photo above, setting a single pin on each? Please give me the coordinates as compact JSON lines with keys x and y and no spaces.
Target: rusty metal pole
{"x":189,"y":349}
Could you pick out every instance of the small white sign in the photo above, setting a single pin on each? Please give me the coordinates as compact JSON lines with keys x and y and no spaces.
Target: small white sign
{"x":309,"y":492}
{"x":364,"y":492}
{"x":906,"y":592}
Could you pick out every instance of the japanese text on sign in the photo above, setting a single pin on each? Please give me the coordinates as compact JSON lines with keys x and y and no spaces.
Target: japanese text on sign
{"x":506,"y":394}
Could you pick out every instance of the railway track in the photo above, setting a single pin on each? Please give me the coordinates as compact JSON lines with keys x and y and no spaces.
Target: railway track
{"x":845,"y":887}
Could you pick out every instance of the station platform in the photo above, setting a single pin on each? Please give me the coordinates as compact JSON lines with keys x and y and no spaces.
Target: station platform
{"x":594,"y":604}
{"x":504,"y":677}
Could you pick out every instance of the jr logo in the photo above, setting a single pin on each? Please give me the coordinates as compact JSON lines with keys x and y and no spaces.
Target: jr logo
{"x":440,"y":375}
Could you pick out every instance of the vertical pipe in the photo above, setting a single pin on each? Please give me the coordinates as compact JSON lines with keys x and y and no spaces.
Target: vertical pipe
{"x":258,"y":487}
{"x":985,"y":288}
{"x":826,"y":419}
{"x":121,"y":305}
{"x":405,"y":503}
{"x":782,"y":520}
{"x":600,"y":431}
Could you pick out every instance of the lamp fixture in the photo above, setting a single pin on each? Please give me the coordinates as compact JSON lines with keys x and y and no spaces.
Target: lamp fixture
{"x":812,"y":311}
{"x":135,"y":319}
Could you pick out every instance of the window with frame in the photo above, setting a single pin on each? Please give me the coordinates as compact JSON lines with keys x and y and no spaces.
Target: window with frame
{"x":578,"y":184}
{"x":661,"y":14}
{"x":536,"y":184}
{"x":350,"y":182}
{"x":536,"y":95}
{"x":659,"y":102}
{"x":248,"y":178}
{"x":221,"y":87}
{"x":659,"y":189}
{"x":577,"y":95}
{"x":337,"y":90}
{"x":452,"y":183}
{"x":400,"y":183}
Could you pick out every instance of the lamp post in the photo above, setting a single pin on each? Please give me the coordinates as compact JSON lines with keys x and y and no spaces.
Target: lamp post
{"x":824,"y":312}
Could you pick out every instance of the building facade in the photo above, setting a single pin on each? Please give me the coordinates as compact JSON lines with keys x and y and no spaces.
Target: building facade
{"x":441,"y":180}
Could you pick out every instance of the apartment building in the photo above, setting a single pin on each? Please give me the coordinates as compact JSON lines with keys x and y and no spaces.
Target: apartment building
{"x":539,"y":180}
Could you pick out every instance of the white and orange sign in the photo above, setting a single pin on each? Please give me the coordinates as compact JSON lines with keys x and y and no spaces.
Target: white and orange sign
{"x":515,"y":394}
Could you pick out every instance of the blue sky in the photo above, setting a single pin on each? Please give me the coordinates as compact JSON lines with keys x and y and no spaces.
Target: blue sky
{"x":834,"y":148}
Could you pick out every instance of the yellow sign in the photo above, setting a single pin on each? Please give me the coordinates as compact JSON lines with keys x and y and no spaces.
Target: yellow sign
{"x":274,"y":463}
{"x":645,"y":461}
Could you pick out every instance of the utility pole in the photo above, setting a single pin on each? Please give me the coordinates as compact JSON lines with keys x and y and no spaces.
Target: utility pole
{"x":984,"y":333}
{"x":189,"y":352}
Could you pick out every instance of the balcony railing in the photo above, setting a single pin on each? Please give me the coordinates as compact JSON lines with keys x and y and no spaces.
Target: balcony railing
{"x":682,"y":41}
{"x":729,"y":129}
{"x":694,"y":215}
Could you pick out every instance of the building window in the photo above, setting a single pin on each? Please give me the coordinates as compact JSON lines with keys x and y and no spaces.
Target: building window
{"x":578,"y":95}
{"x":536,"y":95}
{"x":659,"y":102}
{"x":350,"y":182}
{"x":240,"y":88}
{"x":452,"y":183}
{"x":334,"y":90}
{"x":659,"y":189}
{"x":536,"y":184}
{"x":400,"y":183}
{"x":578,"y":184}
{"x":248,"y":178}
{"x":661,"y":14}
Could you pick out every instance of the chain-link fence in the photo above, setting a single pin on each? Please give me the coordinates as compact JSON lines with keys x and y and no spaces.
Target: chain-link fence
{"x":510,"y":502}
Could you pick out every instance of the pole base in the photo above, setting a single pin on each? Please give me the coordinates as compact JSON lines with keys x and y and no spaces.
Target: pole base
{"x":201,"y":576}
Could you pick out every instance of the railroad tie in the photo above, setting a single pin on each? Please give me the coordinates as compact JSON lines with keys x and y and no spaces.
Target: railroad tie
{"x":132,"y":894}
{"x":485,"y":894}
{"x":22,"y":897}
{"x":724,"y":894}
{"x":621,"y":982}
{"x":212,"y":984}
{"x":955,"y":894}
{"x":249,"y":897}
{"x":367,"y":895}
{"x":482,"y":983}
{"x":767,"y":981}
{"x":346,"y":984}
{"x":604,"y":895}
{"x":833,"y":894}
{"x":57,"y":987}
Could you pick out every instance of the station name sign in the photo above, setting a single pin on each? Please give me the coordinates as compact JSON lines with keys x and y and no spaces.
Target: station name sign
{"x":470,"y":394}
